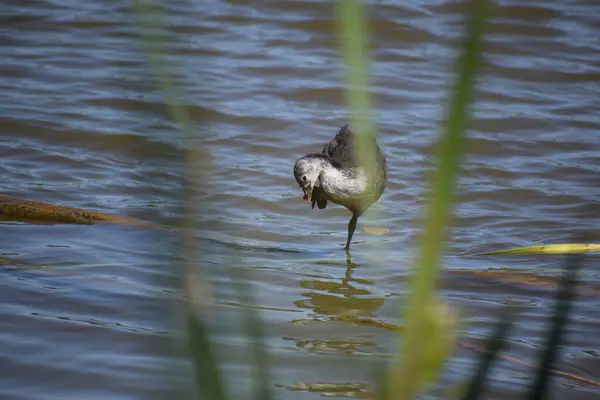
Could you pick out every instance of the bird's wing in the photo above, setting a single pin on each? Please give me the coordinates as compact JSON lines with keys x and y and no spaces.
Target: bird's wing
{"x":341,"y":148}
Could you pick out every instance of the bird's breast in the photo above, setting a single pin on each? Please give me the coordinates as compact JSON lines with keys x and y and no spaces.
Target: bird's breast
{"x":341,"y":186}
{"x":350,"y":189}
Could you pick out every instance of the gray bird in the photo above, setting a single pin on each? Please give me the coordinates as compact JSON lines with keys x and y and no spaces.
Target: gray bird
{"x":334,"y":175}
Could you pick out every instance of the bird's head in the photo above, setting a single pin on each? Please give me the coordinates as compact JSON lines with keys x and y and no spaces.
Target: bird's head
{"x":308,"y":171}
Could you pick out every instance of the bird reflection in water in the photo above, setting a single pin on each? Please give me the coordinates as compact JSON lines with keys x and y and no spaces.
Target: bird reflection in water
{"x":340,"y":299}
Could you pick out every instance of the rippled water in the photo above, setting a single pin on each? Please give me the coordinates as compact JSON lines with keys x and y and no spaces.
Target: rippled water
{"x":83,"y":124}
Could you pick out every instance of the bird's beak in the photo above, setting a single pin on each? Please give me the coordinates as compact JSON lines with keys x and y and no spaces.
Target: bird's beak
{"x":307,"y":193}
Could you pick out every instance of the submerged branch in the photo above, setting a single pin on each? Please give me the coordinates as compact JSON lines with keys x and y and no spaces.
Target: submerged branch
{"x":30,"y":211}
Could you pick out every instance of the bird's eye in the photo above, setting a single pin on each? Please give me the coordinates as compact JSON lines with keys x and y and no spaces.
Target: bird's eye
{"x":304,"y":178}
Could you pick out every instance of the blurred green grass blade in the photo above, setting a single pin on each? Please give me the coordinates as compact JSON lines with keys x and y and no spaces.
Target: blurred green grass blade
{"x":207,"y":376}
{"x":153,"y":32}
{"x":559,"y":319}
{"x":353,"y":41}
{"x":352,"y":30}
{"x":381,"y":378}
{"x":440,"y":205}
{"x":494,"y":346}
{"x":253,"y":327}
{"x":152,"y":28}
{"x":262,"y":387}
{"x":438,"y":337}
{"x":353,"y":35}
{"x":565,"y":248}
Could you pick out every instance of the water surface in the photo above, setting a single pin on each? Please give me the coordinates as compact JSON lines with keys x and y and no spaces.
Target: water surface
{"x":82,"y":123}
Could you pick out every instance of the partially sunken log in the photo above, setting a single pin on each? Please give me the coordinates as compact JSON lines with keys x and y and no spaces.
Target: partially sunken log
{"x":12,"y":208}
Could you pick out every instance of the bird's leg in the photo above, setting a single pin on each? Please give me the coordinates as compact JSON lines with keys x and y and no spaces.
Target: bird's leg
{"x":351,"y":228}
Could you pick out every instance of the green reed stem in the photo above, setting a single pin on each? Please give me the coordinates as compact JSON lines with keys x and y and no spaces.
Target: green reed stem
{"x":353,"y":35}
{"x":152,"y":28}
{"x":254,"y":332}
{"x":352,"y":29}
{"x":206,"y":366}
{"x":153,"y":32}
{"x":440,"y":206}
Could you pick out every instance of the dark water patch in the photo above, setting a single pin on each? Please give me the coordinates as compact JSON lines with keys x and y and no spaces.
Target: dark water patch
{"x":54,"y":134}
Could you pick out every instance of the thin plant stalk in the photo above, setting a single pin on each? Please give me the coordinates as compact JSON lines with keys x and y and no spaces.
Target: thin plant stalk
{"x":152,"y":28}
{"x":405,"y":382}
{"x":254,"y":332}
{"x":352,"y":29}
{"x":559,"y":319}
{"x":493,"y":348}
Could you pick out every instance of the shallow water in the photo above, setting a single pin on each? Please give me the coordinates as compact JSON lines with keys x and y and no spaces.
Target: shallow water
{"x":83,"y":124}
